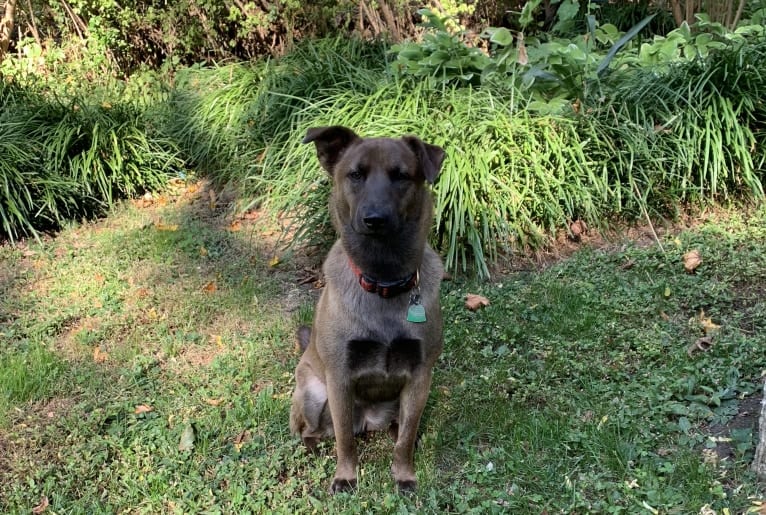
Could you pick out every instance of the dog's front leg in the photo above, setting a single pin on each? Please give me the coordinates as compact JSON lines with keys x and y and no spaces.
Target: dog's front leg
{"x":341,"y":410}
{"x":413,"y":401}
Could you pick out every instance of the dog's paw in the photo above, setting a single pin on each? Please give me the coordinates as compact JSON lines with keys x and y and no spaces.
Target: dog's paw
{"x":342,"y":485}
{"x":311,"y":443}
{"x":407,"y":487}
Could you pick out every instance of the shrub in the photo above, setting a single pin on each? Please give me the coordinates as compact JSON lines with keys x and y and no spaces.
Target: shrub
{"x":62,"y":160}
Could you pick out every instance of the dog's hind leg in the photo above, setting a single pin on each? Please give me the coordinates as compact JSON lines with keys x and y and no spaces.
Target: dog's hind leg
{"x":309,"y":413}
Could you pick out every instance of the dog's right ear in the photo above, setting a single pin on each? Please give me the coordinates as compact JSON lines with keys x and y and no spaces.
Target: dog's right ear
{"x":330,"y":143}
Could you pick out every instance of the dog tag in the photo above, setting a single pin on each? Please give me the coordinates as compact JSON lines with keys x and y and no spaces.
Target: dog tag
{"x":416,"y":312}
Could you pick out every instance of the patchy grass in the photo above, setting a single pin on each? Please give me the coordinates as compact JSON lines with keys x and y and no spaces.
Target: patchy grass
{"x":577,"y":390}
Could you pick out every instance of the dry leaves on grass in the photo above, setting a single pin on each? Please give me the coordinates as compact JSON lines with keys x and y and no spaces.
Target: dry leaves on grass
{"x":42,"y":506}
{"x":700,"y":345}
{"x":166,"y":227}
{"x":99,"y":356}
{"x":143,"y":408}
{"x":475,"y":302}
{"x":186,"y":442}
{"x":692,"y":260}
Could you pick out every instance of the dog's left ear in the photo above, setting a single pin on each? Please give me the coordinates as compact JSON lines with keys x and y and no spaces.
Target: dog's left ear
{"x":331,"y":143}
{"x":430,"y":156}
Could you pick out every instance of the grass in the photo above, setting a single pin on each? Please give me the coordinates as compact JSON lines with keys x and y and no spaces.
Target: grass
{"x":71,"y":156}
{"x":572,"y":392}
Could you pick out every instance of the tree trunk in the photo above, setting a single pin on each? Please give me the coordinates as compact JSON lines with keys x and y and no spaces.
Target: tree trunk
{"x":759,"y":462}
{"x":6,"y":26}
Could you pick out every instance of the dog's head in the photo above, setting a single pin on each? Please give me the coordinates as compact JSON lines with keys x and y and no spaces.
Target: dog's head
{"x":378,"y":182}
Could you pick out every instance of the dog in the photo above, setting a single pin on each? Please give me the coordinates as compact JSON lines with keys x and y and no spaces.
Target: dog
{"x":368,"y":360}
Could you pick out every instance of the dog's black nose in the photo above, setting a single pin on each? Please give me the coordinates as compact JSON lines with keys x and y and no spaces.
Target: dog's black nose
{"x":374,"y":221}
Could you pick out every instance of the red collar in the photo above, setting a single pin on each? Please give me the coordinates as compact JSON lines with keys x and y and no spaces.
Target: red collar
{"x":385,"y":289}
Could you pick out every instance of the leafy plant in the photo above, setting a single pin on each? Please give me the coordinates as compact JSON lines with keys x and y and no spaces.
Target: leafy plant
{"x":441,"y":57}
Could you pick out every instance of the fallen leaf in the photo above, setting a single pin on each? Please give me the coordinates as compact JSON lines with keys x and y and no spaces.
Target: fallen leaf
{"x":166,"y":227}
{"x":187,"y":439}
{"x":42,"y":506}
{"x":628,"y":264}
{"x":216,"y":339}
{"x":521,"y":49}
{"x":210,"y":287}
{"x":99,"y":356}
{"x":692,"y":260}
{"x":213,"y":198}
{"x":578,"y":228}
{"x":235,"y":226}
{"x":667,"y":292}
{"x":99,"y":277}
{"x":274,"y":261}
{"x":202,"y":251}
{"x":708,"y":326}
{"x":700,"y":345}
{"x":143,"y":408}
{"x":475,"y":302}
{"x":214,"y":402}
{"x":241,"y":439}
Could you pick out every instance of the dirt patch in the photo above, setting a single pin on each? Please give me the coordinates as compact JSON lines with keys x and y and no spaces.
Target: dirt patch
{"x":747,"y":417}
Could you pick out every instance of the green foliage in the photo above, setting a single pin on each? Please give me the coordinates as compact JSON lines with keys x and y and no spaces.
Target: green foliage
{"x":127,"y":35}
{"x":442,"y":57}
{"x":65,"y":160}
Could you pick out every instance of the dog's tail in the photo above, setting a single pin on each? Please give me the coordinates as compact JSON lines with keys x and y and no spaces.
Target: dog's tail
{"x":304,"y":337}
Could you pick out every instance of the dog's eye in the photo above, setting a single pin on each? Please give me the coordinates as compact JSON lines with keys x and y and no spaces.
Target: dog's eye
{"x":397,"y":174}
{"x":356,"y":175}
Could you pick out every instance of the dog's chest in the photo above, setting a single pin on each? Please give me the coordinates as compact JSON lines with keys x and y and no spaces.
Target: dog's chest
{"x":379,"y":370}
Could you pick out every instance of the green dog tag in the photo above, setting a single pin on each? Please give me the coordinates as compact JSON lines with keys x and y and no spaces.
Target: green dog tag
{"x":416,"y":312}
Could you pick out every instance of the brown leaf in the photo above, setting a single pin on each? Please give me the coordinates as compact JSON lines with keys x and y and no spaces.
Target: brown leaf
{"x":578,"y":228}
{"x":166,"y":227}
{"x":707,"y":324}
{"x":628,"y":264}
{"x":701,"y":345}
{"x":241,"y":439}
{"x":214,"y":402}
{"x":521,"y":48}
{"x":99,"y":356}
{"x":143,"y":408}
{"x":475,"y":302}
{"x":213,"y":198}
{"x":235,"y":226}
{"x":692,"y":260}
{"x":40,"y":508}
{"x":142,"y":293}
{"x":210,"y":287}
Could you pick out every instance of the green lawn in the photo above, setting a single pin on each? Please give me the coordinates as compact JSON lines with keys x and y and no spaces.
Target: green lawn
{"x":146,"y":367}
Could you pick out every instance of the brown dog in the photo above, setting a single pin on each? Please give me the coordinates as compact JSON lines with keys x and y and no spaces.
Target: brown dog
{"x":377,"y":332}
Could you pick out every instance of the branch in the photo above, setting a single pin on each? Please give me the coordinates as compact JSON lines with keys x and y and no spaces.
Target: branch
{"x":737,"y":16}
{"x":6,"y":26}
